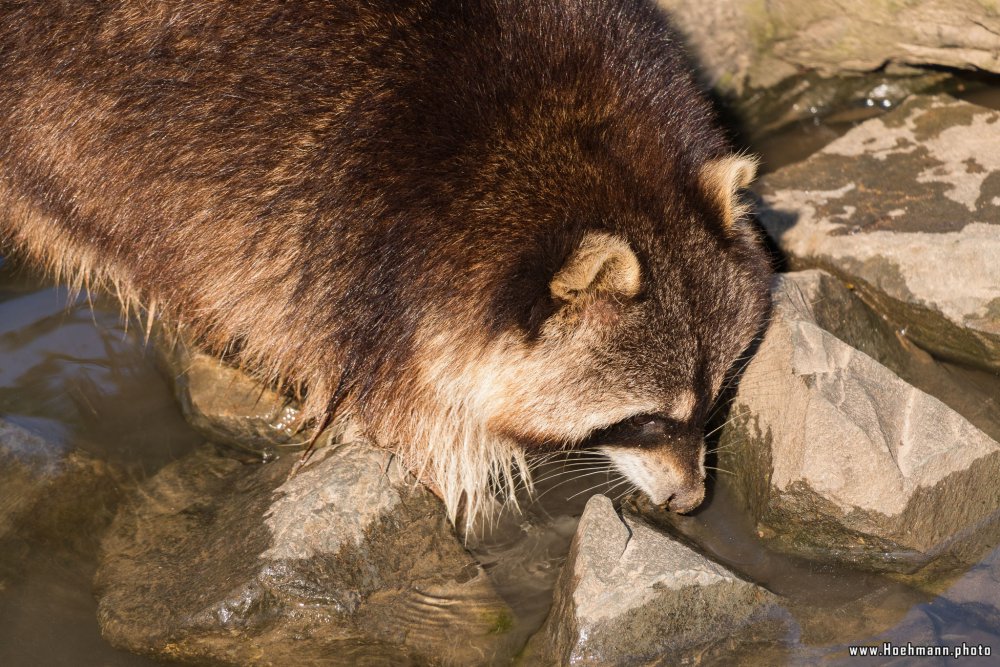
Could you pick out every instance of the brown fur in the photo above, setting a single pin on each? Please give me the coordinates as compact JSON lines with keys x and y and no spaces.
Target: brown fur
{"x":371,"y":201}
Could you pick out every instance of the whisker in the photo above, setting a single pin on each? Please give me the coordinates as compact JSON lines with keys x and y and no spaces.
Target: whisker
{"x":567,"y":481}
{"x":570,"y":456}
{"x":597,"y":486}
{"x":585,"y":472}
{"x":562,"y":465}
{"x":627,"y":491}
{"x":721,"y":426}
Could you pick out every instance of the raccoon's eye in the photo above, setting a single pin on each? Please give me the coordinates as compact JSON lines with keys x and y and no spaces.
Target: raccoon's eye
{"x":636,"y":431}
{"x":641,"y":420}
{"x":638,"y":426}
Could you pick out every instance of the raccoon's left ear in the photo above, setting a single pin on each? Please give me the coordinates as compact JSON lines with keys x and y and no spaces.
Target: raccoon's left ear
{"x":601,"y":265}
{"x":723,"y":178}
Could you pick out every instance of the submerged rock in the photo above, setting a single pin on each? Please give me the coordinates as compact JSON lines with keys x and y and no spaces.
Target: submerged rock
{"x":224,"y":404}
{"x":346,"y":562}
{"x":630,"y":594}
{"x":907,"y":208}
{"x":50,"y":497}
{"x":840,"y":458}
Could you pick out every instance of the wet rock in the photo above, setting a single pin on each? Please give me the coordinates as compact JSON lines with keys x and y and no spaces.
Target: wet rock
{"x":346,"y":562}
{"x":630,"y":594}
{"x":835,"y":101}
{"x":839,"y":458}
{"x":907,"y":208}
{"x":50,"y":498}
{"x":224,"y":404}
{"x":757,"y":44}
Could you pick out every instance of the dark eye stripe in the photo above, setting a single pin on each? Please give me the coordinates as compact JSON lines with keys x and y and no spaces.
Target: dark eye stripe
{"x":637,"y":431}
{"x":641,"y":420}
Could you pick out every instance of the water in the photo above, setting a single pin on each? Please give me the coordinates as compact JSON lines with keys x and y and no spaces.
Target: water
{"x":525,"y":551}
{"x":75,"y":375}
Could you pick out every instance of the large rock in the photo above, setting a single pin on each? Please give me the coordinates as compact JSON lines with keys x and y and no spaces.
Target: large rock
{"x":907,"y":208}
{"x":838,"y":457}
{"x":630,"y":594}
{"x":346,"y":562}
{"x":756,"y":44}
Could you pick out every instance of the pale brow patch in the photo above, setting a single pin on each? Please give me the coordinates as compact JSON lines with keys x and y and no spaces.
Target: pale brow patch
{"x":683,"y":406}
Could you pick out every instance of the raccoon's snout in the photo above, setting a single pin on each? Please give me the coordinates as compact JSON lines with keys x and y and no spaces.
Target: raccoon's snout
{"x":685,"y":500}
{"x":662,"y":457}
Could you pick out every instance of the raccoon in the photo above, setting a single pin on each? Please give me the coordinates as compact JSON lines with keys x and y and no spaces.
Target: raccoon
{"x":484,"y":229}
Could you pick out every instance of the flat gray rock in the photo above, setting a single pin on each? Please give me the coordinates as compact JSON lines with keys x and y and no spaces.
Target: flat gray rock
{"x":347,"y":562}
{"x":907,"y":208}
{"x":839,"y":458}
{"x":629,"y":594}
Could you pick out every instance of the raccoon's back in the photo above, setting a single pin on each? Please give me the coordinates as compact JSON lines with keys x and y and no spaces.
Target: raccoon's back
{"x":244,"y":169}
{"x":310,"y":179}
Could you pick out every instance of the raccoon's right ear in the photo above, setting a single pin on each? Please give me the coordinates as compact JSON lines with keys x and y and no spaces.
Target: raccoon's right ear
{"x":723,"y":178}
{"x":602,"y":265}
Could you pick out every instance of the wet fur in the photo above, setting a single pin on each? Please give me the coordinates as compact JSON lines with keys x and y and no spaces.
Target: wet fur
{"x":369,"y":201}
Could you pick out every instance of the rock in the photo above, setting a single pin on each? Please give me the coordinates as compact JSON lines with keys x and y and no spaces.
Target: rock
{"x":907,"y":208}
{"x":346,"y":562}
{"x":836,"y":101}
{"x":224,"y":404}
{"x":630,"y":594}
{"x":52,"y":498}
{"x":723,"y":41}
{"x":838,"y":458}
{"x":757,"y":44}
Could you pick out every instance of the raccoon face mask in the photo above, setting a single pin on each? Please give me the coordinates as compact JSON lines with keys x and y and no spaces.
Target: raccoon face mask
{"x":642,"y":328}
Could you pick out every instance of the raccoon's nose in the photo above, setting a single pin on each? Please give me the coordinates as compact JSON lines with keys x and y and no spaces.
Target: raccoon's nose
{"x":687,"y":499}
{"x":671,"y":475}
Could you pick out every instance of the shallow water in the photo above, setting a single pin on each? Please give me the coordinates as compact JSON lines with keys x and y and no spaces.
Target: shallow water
{"x":73,"y":374}
{"x":76,"y":376}
{"x":525,"y":550}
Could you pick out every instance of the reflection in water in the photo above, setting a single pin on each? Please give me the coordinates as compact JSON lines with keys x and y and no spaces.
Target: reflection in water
{"x":524,"y":551}
{"x":76,"y":376}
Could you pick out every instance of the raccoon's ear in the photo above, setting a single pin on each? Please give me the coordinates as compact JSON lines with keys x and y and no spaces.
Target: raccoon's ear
{"x":723,"y":178}
{"x":601,"y":264}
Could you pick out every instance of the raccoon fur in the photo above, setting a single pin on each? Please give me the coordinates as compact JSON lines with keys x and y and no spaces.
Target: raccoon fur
{"x":485,"y":229}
